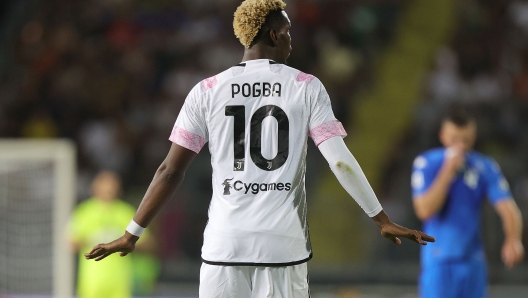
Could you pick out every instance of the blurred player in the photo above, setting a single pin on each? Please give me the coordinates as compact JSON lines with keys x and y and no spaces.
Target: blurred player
{"x":449,"y":186}
{"x":99,"y":219}
{"x":256,"y":117}
{"x":102,"y":218}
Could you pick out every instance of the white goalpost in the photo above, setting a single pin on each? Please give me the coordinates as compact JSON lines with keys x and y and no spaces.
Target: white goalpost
{"x":37,"y":194}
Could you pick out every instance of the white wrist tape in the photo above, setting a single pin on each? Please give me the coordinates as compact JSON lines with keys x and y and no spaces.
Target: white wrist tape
{"x":135,"y":229}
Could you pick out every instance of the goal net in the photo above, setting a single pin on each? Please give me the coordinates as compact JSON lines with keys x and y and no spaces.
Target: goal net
{"x":37,"y":191}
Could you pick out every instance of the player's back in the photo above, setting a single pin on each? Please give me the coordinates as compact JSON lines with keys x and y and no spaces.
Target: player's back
{"x":256,"y":117}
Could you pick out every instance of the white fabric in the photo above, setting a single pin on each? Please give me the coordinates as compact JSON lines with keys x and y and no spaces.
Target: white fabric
{"x":350,"y":175}
{"x":256,"y":215}
{"x":135,"y":229}
{"x":253,"y":281}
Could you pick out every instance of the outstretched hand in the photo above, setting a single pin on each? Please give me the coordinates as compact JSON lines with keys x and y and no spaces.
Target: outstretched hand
{"x":124,"y":245}
{"x":393,"y":231}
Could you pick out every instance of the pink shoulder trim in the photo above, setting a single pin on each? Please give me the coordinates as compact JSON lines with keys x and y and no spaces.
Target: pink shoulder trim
{"x":304,"y":77}
{"x":186,"y":139}
{"x":326,"y":131}
{"x":209,"y":83}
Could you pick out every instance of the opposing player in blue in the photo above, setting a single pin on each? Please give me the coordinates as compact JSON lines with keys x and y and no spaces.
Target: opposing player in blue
{"x":450,"y":185}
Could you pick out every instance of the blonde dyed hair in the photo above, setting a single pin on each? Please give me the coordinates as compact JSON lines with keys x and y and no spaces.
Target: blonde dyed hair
{"x":250,"y":16}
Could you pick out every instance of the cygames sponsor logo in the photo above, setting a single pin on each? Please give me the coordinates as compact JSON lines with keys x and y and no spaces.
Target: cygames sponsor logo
{"x":254,"y":188}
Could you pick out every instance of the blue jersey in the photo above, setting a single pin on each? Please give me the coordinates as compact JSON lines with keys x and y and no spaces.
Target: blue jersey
{"x":456,"y":226}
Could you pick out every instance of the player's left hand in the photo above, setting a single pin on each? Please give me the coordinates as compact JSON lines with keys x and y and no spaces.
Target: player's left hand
{"x":512,"y":252}
{"x":124,"y":245}
{"x":393,"y":231}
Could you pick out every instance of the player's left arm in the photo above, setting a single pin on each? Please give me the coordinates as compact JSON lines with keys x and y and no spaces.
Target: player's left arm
{"x":328,"y":134}
{"x":188,"y":136}
{"x":353,"y":180}
{"x":165,"y":182}
{"x":512,"y":250}
{"x":499,"y":195}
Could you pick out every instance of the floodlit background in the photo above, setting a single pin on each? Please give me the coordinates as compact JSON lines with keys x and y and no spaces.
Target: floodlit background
{"x":112,"y":75}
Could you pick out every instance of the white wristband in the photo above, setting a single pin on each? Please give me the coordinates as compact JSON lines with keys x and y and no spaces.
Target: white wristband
{"x":135,"y":229}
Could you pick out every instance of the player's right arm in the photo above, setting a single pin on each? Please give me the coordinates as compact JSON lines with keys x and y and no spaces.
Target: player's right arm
{"x":165,"y":182}
{"x":351,"y":177}
{"x":431,"y":201}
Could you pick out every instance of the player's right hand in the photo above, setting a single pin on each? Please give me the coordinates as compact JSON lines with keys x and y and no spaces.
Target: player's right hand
{"x":124,"y":245}
{"x":454,"y":158}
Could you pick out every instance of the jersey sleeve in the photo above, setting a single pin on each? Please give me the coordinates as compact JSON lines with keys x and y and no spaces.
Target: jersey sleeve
{"x":497,"y":188}
{"x":423,"y":174}
{"x":323,"y":124}
{"x":190,"y":130}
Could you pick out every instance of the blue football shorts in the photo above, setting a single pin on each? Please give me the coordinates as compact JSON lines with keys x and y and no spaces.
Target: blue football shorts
{"x":461,"y":279}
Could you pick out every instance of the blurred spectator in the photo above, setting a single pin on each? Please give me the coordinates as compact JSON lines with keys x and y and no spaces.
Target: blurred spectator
{"x":520,"y":82}
{"x":519,"y":13}
{"x":40,"y":125}
{"x":104,"y":145}
{"x":445,"y":82}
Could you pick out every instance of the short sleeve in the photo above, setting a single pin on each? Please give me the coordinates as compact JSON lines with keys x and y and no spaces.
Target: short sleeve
{"x":497,"y":188}
{"x":323,"y":124}
{"x":190,"y":129}
{"x":423,"y":174}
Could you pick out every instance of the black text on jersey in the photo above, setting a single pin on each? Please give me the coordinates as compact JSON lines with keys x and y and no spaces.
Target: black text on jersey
{"x":264,"y":89}
{"x":239,"y":139}
{"x":255,"y":188}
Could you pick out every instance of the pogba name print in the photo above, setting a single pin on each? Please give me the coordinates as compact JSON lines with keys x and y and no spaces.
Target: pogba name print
{"x":258,"y":89}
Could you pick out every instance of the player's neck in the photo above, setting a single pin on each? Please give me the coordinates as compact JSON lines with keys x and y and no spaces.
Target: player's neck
{"x":257,"y":52}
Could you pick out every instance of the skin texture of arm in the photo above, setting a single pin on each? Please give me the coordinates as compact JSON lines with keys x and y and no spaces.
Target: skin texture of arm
{"x":165,"y":182}
{"x":512,"y":250}
{"x":353,"y":180}
{"x":429,"y":203}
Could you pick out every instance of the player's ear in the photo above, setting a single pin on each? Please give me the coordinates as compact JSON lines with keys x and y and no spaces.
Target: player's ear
{"x":274,"y":36}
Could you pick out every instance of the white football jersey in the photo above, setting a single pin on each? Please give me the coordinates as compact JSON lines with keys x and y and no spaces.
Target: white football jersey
{"x":257,"y":117}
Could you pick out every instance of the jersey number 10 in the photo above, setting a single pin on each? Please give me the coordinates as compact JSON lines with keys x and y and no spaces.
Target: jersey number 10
{"x":255,"y":138}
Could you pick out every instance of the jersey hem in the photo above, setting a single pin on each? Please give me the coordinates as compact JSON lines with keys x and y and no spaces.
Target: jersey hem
{"x":258,"y":264}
